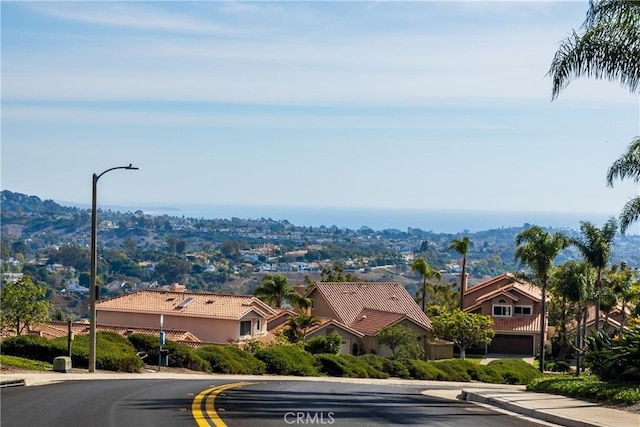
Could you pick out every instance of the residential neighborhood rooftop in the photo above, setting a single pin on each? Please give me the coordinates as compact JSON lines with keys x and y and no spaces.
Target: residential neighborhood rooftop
{"x":191,"y":304}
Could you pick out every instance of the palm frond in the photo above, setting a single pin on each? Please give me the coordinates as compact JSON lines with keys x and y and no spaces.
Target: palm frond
{"x":630,"y":214}
{"x":627,"y":165}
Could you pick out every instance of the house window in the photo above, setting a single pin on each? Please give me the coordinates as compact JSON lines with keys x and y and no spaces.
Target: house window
{"x":311,"y":299}
{"x":258,"y":325}
{"x":522,"y":310}
{"x":245,"y":327}
{"x":502,"y":310}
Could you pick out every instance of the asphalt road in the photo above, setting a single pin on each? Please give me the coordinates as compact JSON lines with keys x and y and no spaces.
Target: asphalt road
{"x":176,"y":403}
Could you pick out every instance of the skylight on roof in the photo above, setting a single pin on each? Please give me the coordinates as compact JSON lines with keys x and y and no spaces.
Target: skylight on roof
{"x":185,"y":303}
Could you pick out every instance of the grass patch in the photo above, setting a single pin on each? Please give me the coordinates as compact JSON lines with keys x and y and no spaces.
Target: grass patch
{"x":586,"y":387}
{"x":22,"y":363}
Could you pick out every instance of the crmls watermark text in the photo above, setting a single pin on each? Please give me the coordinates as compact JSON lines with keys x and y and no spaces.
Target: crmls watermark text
{"x":309,"y":418}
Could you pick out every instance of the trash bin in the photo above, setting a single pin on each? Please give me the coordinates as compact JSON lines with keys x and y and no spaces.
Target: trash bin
{"x":164,"y":357}
{"x":62,"y":364}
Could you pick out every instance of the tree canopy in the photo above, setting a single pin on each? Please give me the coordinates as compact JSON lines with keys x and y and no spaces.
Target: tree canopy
{"x":23,"y":304}
{"x":463,"y":329}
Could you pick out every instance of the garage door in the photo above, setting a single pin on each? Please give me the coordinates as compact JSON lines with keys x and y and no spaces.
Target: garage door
{"x":512,"y":344}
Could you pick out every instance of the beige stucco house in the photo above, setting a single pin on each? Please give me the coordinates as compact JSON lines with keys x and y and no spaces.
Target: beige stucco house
{"x":362,"y":309}
{"x":515,"y":307}
{"x":213,"y":318}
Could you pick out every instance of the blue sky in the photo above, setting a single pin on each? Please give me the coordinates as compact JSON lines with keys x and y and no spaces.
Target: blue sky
{"x":424,"y":105}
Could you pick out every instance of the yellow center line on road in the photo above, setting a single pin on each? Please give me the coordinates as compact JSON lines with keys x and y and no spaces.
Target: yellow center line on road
{"x":209,"y":396}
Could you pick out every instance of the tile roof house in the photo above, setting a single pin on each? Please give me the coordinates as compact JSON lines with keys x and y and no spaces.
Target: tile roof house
{"x":515,"y":306}
{"x":364,"y":308}
{"x":57,"y":329}
{"x":213,"y":318}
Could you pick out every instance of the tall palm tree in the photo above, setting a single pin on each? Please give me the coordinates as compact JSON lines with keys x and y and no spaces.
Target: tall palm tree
{"x":627,"y":166}
{"x":577,"y":287}
{"x":275,"y":289}
{"x":421,"y":266}
{"x":608,"y":47}
{"x":461,"y":246}
{"x":537,"y":249}
{"x":595,"y":245}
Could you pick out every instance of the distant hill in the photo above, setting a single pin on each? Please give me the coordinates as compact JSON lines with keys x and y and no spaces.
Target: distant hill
{"x":22,"y":203}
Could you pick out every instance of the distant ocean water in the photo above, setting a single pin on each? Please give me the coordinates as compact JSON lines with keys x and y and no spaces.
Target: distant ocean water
{"x":440,"y":221}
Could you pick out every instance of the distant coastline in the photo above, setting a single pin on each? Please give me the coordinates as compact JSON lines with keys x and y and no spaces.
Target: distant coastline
{"x":439,"y":221}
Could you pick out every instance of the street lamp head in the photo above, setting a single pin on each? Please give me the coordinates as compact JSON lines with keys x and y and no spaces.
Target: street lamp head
{"x":131,"y":167}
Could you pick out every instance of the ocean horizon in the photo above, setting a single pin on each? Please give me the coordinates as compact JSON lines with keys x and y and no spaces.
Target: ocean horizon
{"x":439,"y":221}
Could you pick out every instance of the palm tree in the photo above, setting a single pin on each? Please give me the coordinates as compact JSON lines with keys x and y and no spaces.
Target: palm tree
{"x":537,"y":249}
{"x":607,"y":48}
{"x":298,"y":326}
{"x":275,"y":289}
{"x":595,"y":246}
{"x":461,"y":246}
{"x":421,"y":266}
{"x":577,"y":287}
{"x":625,"y":283}
{"x":627,"y":166}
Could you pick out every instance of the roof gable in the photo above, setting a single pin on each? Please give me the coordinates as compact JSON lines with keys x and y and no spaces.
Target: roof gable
{"x":349,"y":299}
{"x":189,"y":304}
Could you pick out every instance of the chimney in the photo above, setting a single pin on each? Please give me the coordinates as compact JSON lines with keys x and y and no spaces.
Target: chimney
{"x":177,"y":287}
{"x":465,"y":280}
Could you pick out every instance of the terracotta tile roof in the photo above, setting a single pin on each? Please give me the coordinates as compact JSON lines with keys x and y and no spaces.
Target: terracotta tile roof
{"x":527,"y":324}
{"x":370,"y":321}
{"x":279,"y":312}
{"x":56,"y":329}
{"x":348,"y":299}
{"x":509,"y":283}
{"x":189,"y":304}
{"x":326,"y":322}
{"x":591,"y":318}
{"x":502,"y":291}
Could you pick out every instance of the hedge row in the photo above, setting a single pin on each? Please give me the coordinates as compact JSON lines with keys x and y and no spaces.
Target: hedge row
{"x":113,"y":352}
{"x":119,"y":354}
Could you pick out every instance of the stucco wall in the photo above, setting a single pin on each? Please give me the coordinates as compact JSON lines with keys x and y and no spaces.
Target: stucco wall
{"x":208,"y":330}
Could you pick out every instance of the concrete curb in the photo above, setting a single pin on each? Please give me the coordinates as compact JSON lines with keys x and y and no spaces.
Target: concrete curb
{"x":12,"y":383}
{"x":502,"y":403}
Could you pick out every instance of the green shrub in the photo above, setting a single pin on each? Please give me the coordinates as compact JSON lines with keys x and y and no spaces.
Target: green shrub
{"x":113,"y":352}
{"x":180,"y":355}
{"x":339,"y":365}
{"x":422,"y":370}
{"x":558,"y":366}
{"x":392,"y":368}
{"x":230,"y":360}
{"x":515,"y":371}
{"x":329,"y":344}
{"x":456,"y":369}
{"x":30,"y":347}
{"x":615,"y":358}
{"x":372,"y":372}
{"x":288,"y":360}
{"x":586,"y":387}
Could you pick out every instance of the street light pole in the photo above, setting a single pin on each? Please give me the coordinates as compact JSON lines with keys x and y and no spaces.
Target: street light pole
{"x":93,"y":291}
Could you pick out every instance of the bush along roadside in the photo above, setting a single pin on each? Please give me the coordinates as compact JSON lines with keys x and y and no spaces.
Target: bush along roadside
{"x":586,"y":387}
{"x":113,"y":352}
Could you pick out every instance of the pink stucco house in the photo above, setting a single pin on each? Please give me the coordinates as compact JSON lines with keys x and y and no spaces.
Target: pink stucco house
{"x":359,"y":310}
{"x":213,"y":318}
{"x":515,"y":306}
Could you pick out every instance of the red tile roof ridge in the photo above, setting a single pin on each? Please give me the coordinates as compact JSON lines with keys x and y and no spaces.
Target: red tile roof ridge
{"x":491,"y":281}
{"x":350,"y":288}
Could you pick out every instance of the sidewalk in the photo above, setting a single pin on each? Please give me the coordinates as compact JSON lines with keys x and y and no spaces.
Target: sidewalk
{"x":548,"y":408}
{"x":551,"y":408}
